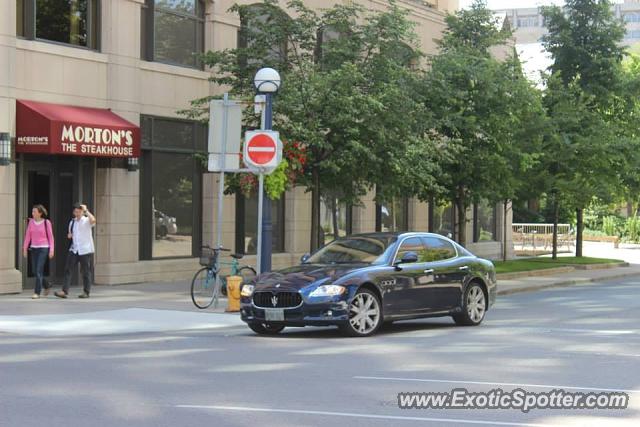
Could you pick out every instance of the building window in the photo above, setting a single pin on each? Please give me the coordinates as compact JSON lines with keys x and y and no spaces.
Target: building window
{"x":261,"y":47}
{"x":442,"y":219}
{"x":635,"y":34}
{"x":335,"y":219}
{"x":73,"y":22}
{"x":173,"y":32}
{"x":484,"y":222}
{"x":527,"y":21}
{"x":631,"y":17}
{"x":247,"y":224}
{"x":393,"y":215}
{"x":170,"y":187}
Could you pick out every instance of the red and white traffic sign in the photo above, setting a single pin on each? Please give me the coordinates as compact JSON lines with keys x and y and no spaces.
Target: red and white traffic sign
{"x":262,"y":150}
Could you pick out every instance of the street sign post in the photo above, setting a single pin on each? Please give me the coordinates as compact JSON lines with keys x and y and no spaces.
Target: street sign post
{"x":262,"y":153}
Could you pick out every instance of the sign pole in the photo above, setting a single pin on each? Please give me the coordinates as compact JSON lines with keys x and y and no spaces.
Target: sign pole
{"x":263,"y":114}
{"x":223,"y":150}
{"x":267,"y":225}
{"x":260,"y":207}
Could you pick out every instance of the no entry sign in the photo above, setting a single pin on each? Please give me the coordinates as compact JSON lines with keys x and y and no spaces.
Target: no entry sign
{"x":262,"y":150}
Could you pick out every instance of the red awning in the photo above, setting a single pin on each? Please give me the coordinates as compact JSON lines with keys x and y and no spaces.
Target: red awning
{"x":79,"y":131}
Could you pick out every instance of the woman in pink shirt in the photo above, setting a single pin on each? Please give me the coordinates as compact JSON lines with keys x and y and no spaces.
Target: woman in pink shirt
{"x":38,"y":240}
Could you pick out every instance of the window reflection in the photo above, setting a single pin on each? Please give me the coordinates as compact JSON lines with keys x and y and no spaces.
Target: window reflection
{"x":394,"y":215}
{"x":67,"y":21}
{"x":485,"y":226}
{"x":443,"y":222}
{"x":172,"y":201}
{"x":178,"y":31}
{"x":334,"y":219}
{"x":247,"y":224}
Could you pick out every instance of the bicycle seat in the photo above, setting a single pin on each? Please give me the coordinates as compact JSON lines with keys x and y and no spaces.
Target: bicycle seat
{"x":237,"y":256}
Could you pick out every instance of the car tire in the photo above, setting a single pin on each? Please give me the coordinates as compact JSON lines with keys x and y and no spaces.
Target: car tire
{"x":474,"y":306}
{"x":265,"y":328}
{"x":368,"y":323}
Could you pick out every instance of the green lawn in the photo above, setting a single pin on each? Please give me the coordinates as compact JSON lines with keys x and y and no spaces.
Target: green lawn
{"x":530,"y":264}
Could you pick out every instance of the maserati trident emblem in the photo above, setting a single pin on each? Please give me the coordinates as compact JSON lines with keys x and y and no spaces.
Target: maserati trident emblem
{"x":274,"y":301}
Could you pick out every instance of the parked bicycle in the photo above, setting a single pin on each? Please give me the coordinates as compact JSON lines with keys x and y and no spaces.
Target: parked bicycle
{"x":207,"y":283}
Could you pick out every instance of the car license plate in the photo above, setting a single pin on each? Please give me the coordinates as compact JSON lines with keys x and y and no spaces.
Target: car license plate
{"x":274,"y":314}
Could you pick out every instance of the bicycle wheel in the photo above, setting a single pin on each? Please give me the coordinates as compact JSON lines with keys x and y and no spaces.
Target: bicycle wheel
{"x":247,"y":273}
{"x":203,"y":286}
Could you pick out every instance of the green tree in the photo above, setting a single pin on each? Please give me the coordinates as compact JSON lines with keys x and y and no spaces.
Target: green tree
{"x":480,"y":106}
{"x":584,"y":40}
{"x":349,"y":95}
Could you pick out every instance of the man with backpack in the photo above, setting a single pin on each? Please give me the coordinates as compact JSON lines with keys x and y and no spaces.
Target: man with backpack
{"x":81,"y":250}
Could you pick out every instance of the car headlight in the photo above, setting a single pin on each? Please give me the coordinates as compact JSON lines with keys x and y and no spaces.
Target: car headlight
{"x":247,"y":290}
{"x":328,"y":291}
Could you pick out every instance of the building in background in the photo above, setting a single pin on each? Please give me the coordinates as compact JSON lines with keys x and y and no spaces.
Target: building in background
{"x":90,"y":92}
{"x":528,"y":27}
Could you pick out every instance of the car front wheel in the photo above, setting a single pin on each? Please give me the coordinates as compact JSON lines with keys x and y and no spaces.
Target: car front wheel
{"x":474,"y":306}
{"x":365,"y":315}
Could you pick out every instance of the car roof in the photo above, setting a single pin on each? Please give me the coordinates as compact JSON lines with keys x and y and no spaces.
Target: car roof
{"x":397,"y":234}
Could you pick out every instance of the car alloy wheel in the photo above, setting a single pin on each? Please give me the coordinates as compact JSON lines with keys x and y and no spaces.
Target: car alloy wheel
{"x":476,"y":304}
{"x":365,"y":315}
{"x":474,"y":307}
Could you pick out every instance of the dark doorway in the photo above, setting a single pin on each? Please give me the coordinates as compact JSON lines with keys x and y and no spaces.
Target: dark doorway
{"x":56,"y":182}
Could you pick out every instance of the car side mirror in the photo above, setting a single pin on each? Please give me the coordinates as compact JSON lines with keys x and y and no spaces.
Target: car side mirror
{"x":305,"y":257}
{"x":407,"y":258}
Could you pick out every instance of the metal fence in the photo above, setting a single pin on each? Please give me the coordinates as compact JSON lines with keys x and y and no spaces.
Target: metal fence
{"x":539,"y":237}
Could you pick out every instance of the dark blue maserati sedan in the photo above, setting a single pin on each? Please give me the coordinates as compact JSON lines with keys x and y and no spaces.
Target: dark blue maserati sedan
{"x":361,"y":281}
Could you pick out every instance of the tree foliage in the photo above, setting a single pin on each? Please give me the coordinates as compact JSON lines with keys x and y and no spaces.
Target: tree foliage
{"x":484,"y":109}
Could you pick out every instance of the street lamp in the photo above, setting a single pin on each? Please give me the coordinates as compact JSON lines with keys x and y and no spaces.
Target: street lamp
{"x":267,"y":82}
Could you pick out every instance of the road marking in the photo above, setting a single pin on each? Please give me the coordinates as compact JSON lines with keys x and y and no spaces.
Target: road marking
{"x":358,"y":415}
{"x":564,"y":387}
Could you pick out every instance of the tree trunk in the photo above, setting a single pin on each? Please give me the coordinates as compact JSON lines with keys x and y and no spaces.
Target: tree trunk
{"x":315,"y":210}
{"x":504,"y":230}
{"x":462,"y":222}
{"x":556,"y":213}
{"x":579,"y":228}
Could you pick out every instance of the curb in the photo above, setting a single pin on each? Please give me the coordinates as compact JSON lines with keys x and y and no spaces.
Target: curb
{"x":565,"y":283}
{"x":556,"y":270}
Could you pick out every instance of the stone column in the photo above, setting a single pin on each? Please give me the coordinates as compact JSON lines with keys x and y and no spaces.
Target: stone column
{"x":364,"y":216}
{"x":297,"y":224}
{"x":117,"y":229}
{"x":10,"y":277}
{"x":418,"y":215}
{"x":210,"y":214}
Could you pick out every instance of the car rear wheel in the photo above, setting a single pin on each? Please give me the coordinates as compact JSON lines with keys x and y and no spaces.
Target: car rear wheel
{"x":365,"y":315}
{"x":266,"y":328}
{"x":474,"y":306}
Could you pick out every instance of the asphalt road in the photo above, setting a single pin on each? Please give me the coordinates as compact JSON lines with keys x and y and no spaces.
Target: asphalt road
{"x":582,"y":338}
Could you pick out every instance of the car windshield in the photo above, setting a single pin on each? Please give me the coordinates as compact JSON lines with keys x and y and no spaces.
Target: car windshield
{"x":354,"y":249}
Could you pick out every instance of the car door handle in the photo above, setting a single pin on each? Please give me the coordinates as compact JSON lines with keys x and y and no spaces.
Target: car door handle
{"x":464,"y":268}
{"x":429,"y":271}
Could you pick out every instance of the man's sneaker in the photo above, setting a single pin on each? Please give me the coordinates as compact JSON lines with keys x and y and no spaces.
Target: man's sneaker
{"x":46,"y":292}
{"x":35,"y":296}
{"x":83,"y":295}
{"x":60,"y":294}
